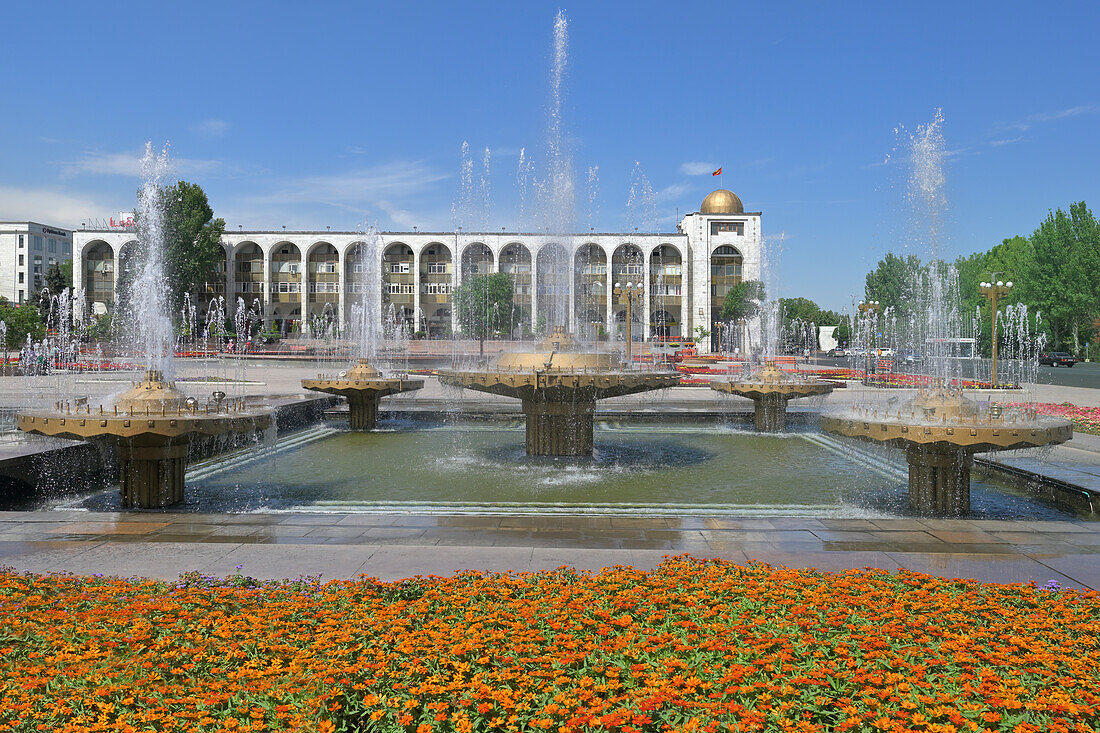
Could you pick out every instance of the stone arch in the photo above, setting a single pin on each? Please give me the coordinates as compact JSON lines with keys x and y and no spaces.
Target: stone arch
{"x":249,"y":265}
{"x":477,"y":259}
{"x":323,"y":277}
{"x":725,"y":272}
{"x":553,"y":270}
{"x":285,"y":279}
{"x":590,"y":287}
{"x":398,"y":279}
{"x":435,"y":282}
{"x":666,"y":265}
{"x":97,"y":258}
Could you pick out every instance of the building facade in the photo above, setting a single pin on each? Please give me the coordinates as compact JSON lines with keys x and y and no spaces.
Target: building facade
{"x":27,"y":249}
{"x":568,"y":281}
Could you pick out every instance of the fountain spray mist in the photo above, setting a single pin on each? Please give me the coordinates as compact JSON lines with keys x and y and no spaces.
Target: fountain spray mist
{"x":146,"y":300}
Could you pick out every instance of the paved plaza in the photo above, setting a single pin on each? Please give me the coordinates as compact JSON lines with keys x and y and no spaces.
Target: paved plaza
{"x":392,"y":546}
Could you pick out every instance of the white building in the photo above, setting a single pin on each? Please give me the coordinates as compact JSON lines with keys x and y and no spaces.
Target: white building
{"x":27,"y":249}
{"x":560,"y":280}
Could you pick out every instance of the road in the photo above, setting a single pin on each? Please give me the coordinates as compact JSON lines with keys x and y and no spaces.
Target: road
{"x":1081,"y":375}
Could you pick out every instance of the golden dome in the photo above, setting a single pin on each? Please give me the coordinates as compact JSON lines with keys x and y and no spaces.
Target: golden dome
{"x":722,"y":202}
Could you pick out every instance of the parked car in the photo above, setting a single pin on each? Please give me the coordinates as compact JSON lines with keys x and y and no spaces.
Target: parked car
{"x":838,"y":351}
{"x":1057,"y":358}
{"x":908,"y":356}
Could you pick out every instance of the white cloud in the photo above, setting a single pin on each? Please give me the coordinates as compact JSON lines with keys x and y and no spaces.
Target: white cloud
{"x":674,"y":191}
{"x":1025,"y":124}
{"x":697,"y":168}
{"x":1007,"y":141}
{"x":210,"y":128}
{"x":50,"y":206}
{"x":129,"y":165}
{"x":359,"y":188}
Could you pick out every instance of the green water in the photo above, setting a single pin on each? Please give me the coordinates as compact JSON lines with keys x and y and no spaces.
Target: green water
{"x":637,"y":469}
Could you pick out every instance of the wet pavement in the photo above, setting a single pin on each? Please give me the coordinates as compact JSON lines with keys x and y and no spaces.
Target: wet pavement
{"x":392,"y":546}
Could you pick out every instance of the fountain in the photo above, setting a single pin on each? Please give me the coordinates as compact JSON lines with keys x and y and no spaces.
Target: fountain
{"x":941,"y":430}
{"x":363,"y":385}
{"x":152,"y":424}
{"x":559,"y":388}
{"x":939,"y":427}
{"x":770,"y":389}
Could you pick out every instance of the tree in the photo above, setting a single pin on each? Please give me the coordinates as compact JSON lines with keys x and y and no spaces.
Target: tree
{"x":192,"y":243}
{"x":894,"y":283}
{"x":55,"y":285}
{"x":21,"y":321}
{"x":1061,"y":279}
{"x":742,"y":301}
{"x":484,"y":306}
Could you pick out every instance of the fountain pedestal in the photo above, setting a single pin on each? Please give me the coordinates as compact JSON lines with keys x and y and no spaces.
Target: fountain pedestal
{"x":559,"y":428}
{"x":364,"y":387}
{"x":152,"y":425}
{"x":559,"y":389}
{"x":941,"y":431}
{"x":770,"y":390}
{"x":152,"y":472}
{"x":939,"y":479}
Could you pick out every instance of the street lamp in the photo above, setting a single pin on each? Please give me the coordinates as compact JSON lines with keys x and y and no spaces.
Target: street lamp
{"x":869,"y":307}
{"x":994,"y":292}
{"x":629,"y":294}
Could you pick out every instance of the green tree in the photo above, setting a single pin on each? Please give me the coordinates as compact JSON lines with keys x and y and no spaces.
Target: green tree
{"x":20,"y":321}
{"x":192,"y":243}
{"x":894,"y":283}
{"x":1062,"y":278}
{"x":55,"y":285}
{"x":742,"y":301}
{"x":484,"y":306}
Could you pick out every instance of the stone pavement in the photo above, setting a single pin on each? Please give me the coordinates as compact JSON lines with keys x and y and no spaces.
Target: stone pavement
{"x":392,"y":546}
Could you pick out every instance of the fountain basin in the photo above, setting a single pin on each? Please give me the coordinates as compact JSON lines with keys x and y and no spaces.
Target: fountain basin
{"x":941,"y":431}
{"x":152,"y":425}
{"x":363,"y":386}
{"x":771,"y":389}
{"x":559,"y":389}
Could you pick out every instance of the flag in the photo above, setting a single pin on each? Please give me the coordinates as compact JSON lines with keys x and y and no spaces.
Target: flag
{"x":717,"y":172}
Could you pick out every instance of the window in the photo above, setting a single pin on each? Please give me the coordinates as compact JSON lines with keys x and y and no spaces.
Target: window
{"x":399,"y":288}
{"x":727,"y":227}
{"x":672,"y":270}
{"x":20,"y":260}
{"x":20,"y":277}
{"x":628,"y":270}
{"x":51,"y":246}
{"x":731,"y":270}
{"x":326,"y":267}
{"x":437,"y":268}
{"x":399,"y":268}
{"x":20,"y":293}
{"x":36,"y":241}
{"x":20,"y":241}
{"x":673,"y":290}
{"x":436,"y":288}
{"x":285,"y":287}
{"x":323,"y":287}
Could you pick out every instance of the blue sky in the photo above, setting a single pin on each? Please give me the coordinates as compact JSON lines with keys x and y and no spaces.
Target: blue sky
{"x":348,"y":112}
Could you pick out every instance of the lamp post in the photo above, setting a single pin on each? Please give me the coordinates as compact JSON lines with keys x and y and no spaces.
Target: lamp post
{"x":994,"y":292}
{"x":865,"y":308}
{"x":629,"y":293}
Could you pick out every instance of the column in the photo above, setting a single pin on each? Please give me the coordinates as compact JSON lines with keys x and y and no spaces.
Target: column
{"x":609,"y":280}
{"x":571,"y":278}
{"x":416,"y":290}
{"x":303,"y":282}
{"x":266,"y":295}
{"x":645,"y":296}
{"x":341,"y":284}
{"x":534,"y":290}
{"x":230,"y":294}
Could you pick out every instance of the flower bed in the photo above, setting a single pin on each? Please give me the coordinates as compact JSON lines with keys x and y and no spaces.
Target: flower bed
{"x":1084,"y":419}
{"x":693,"y":645}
